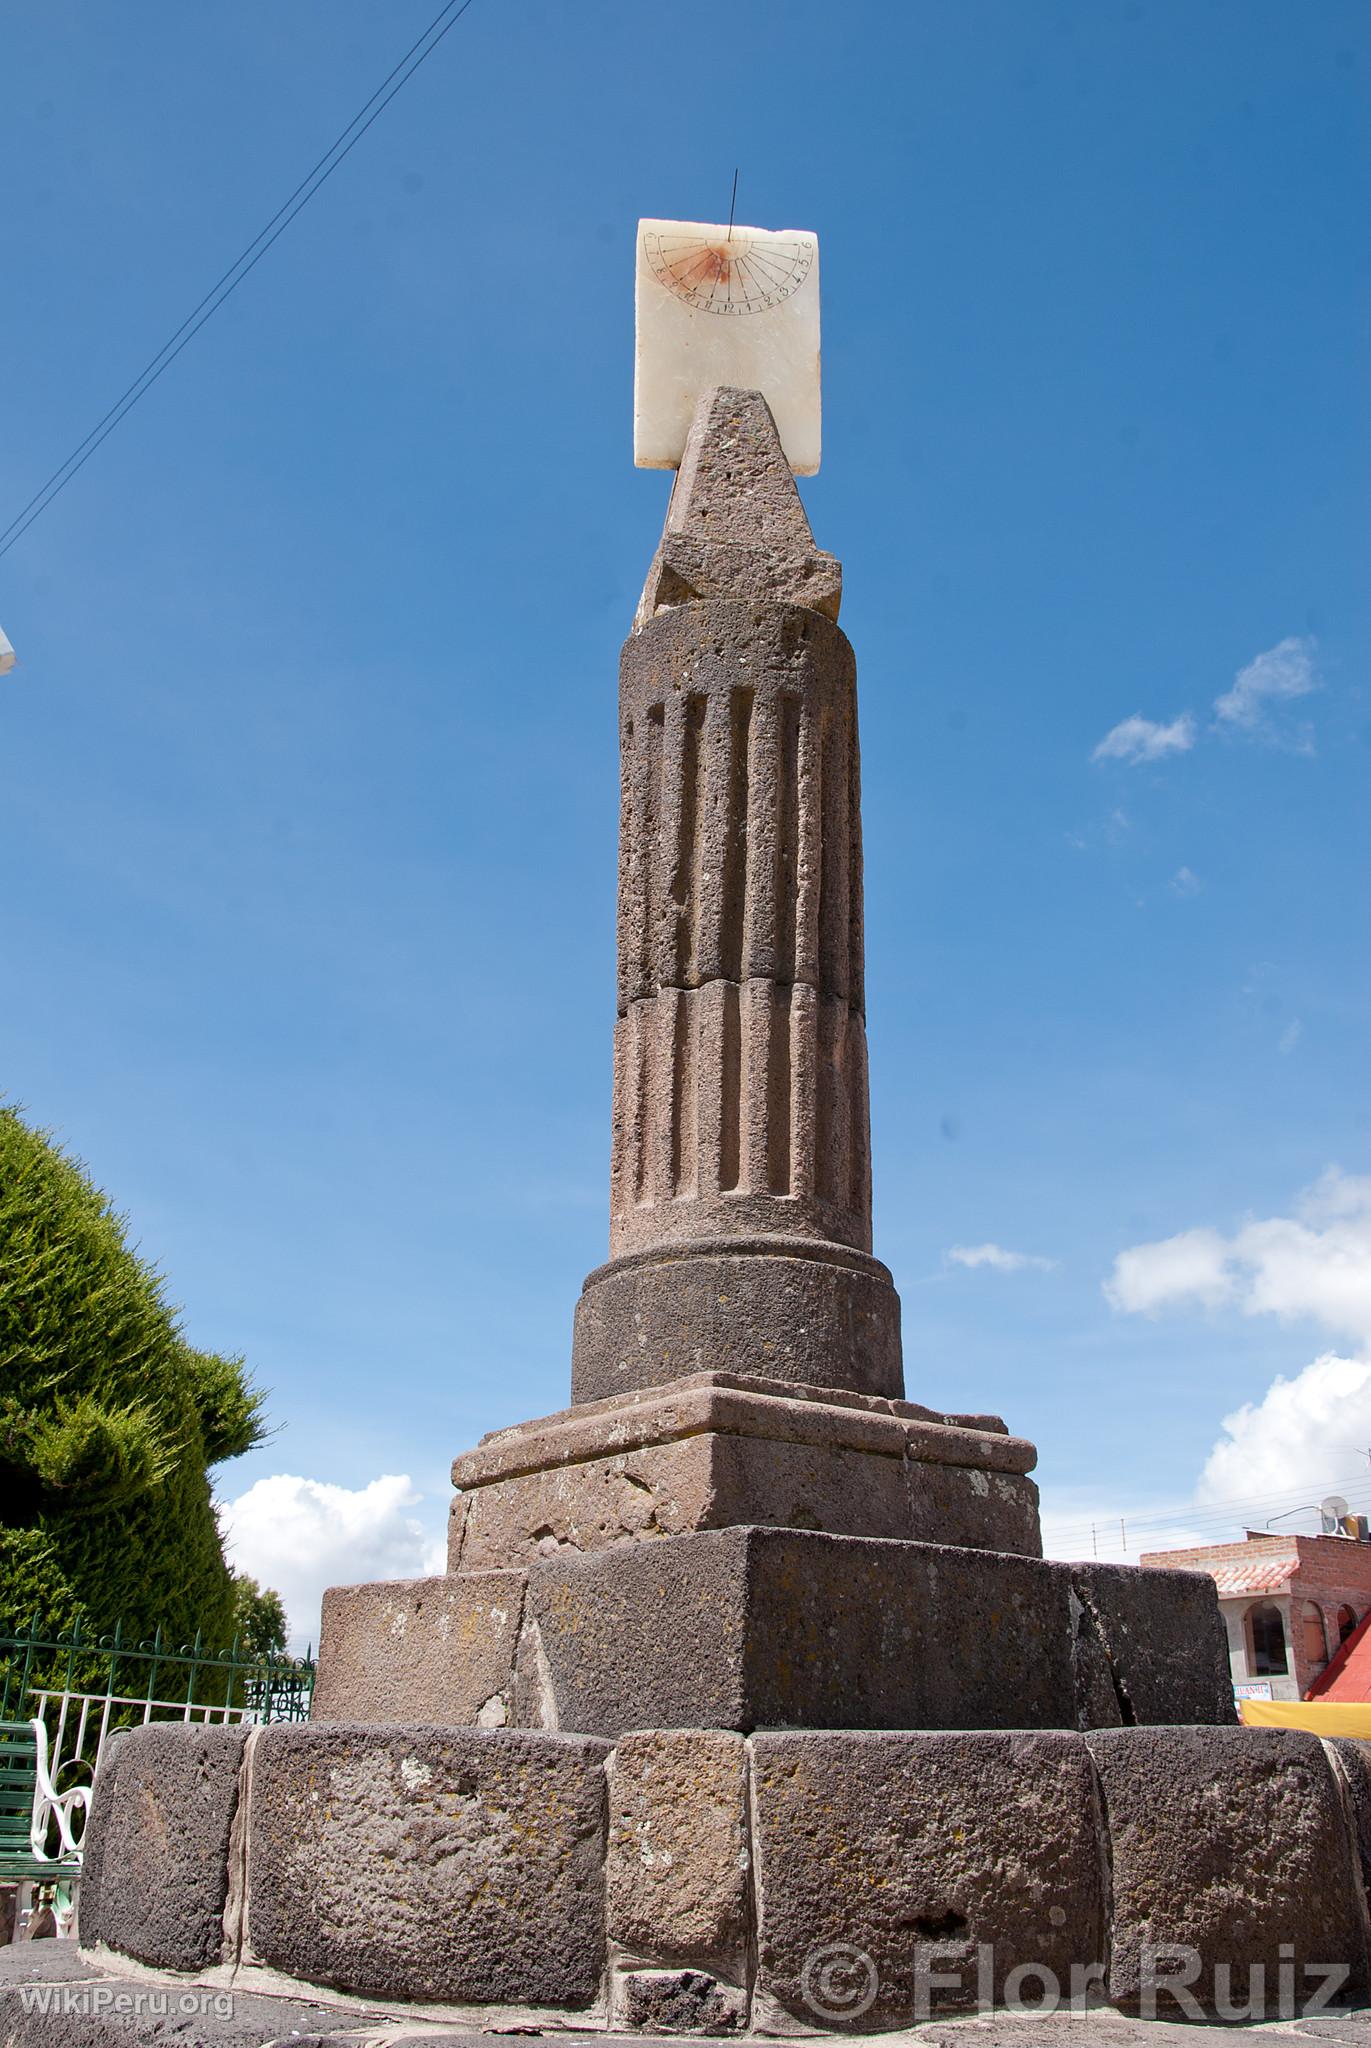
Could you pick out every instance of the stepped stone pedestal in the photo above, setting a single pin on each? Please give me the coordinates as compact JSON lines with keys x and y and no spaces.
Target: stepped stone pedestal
{"x":747,"y":1700}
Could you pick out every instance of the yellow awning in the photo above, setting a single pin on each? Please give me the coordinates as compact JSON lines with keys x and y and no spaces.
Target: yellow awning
{"x":1318,"y":1717}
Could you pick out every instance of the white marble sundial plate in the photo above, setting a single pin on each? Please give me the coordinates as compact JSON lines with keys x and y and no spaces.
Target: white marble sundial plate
{"x":720,"y":306}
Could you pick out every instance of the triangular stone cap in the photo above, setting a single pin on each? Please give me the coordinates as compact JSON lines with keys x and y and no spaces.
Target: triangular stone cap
{"x":735,"y":526}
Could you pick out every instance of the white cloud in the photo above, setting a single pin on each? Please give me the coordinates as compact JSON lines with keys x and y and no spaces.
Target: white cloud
{"x":1310,"y":1432}
{"x":996,"y":1257}
{"x":1276,"y":677}
{"x":1316,"y":1263}
{"x":1189,"y":1267}
{"x":301,"y":1535}
{"x":1185,"y":883}
{"x":1290,"y":1037}
{"x":1307,"y":1435}
{"x":1142,"y":739}
{"x":1253,"y":708}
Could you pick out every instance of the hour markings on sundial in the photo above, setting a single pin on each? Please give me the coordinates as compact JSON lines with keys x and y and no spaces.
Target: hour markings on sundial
{"x":739,"y":276}
{"x":725,"y":305}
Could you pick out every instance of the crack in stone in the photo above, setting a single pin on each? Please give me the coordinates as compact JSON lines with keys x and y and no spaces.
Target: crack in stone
{"x":1088,"y":1632}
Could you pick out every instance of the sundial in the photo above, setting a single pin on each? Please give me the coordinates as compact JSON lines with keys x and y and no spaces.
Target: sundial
{"x":744,"y":273}
{"x":725,"y":305}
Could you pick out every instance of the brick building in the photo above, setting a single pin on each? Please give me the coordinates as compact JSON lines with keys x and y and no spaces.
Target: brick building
{"x":1288,"y":1603}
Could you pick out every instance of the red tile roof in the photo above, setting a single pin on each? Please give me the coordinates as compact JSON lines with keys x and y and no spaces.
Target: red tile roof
{"x":1265,"y":1575}
{"x":1348,"y":1678}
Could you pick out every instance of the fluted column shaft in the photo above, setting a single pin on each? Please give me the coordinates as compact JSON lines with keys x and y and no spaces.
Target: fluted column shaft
{"x":740,"y":1083}
{"x":740,"y":1199}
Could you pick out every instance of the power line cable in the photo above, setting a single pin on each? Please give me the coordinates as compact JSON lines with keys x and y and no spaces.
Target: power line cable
{"x":1254,"y":1500}
{"x":242,"y":258}
{"x":1214,"y":1512}
{"x":1204,"y":1528}
{"x":341,"y":147}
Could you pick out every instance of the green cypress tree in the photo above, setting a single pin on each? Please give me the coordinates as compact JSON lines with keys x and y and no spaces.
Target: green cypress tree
{"x":109,"y":1419}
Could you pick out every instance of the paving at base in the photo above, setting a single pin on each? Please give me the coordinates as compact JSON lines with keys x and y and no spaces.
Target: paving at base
{"x":52,"y":1997}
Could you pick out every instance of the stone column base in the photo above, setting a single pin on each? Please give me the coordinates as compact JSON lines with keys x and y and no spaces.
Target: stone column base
{"x":719,"y":1450}
{"x":773,"y":1308}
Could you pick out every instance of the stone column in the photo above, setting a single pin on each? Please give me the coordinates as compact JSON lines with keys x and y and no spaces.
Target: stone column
{"x":740,"y":1206}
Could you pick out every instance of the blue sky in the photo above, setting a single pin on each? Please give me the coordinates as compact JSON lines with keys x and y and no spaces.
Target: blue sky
{"x":309,"y":777}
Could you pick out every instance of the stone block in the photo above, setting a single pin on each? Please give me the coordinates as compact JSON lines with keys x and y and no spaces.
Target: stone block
{"x":970,"y":1507}
{"x":818,"y":1313}
{"x":438,"y":1650}
{"x":657,"y":1490}
{"x":159,"y":1845}
{"x":677,"y":1873}
{"x":677,"y":2002}
{"x":730,"y":1404}
{"x":747,"y":1628}
{"x":712,"y":1453}
{"x":102,"y":1806}
{"x":884,"y":1857}
{"x":1352,"y":1759}
{"x":436,"y":1864}
{"x":1233,"y":1844}
{"x":722,"y":1482}
{"x":685,"y":569}
{"x":1151,"y":1647}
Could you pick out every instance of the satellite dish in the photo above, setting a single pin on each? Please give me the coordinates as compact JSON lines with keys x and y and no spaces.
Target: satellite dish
{"x":1332,"y":1513}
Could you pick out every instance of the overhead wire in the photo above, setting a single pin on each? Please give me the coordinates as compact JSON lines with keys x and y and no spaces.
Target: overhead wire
{"x":1212,"y":1515}
{"x":222,"y":290}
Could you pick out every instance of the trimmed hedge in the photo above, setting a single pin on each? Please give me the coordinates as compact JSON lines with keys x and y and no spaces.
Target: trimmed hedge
{"x":109,"y":1419}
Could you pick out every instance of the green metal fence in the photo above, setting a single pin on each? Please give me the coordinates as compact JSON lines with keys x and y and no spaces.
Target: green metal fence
{"x":86,"y":1687}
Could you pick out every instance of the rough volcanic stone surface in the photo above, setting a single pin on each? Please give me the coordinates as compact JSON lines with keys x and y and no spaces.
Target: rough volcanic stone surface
{"x":677,"y":1875}
{"x":678,"y":2002}
{"x":968,"y":1507}
{"x":884,"y":1860}
{"x":435,"y":1650}
{"x":160,"y":1846}
{"x":102,"y":1805}
{"x":714,"y":1480}
{"x":1232,"y":1843}
{"x":734,"y":483}
{"x":658,"y":1490}
{"x":1353,"y":1761}
{"x":747,"y":1628}
{"x":737,"y":912}
{"x":430,"y":1863}
{"x":1156,"y":1639}
{"x":729,"y":1404}
{"x":685,"y":569}
{"x":773,"y":1313}
{"x":717,"y":1481}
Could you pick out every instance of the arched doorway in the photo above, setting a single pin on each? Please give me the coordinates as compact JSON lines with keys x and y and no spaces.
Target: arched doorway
{"x":1266,"y":1636}
{"x":1314,"y":1643}
{"x":1346,"y":1623}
